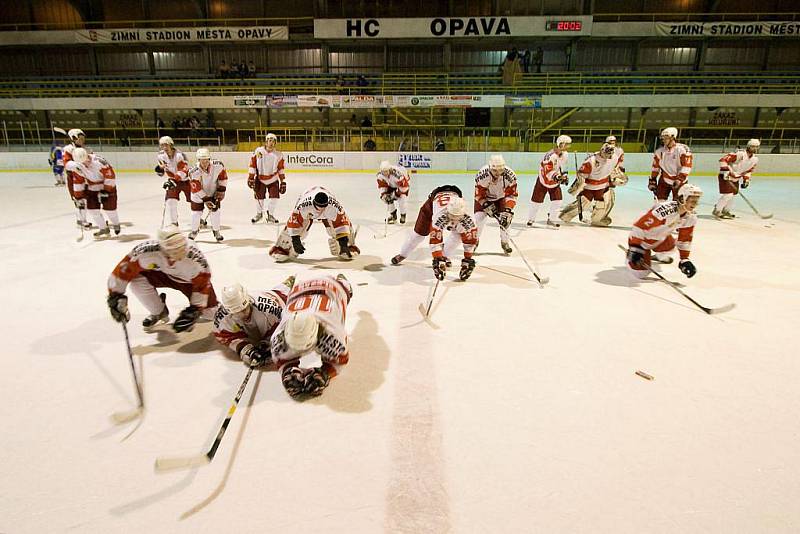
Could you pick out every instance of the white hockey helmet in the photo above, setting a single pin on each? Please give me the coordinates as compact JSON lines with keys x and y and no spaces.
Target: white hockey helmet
{"x":611,"y":140}
{"x":497,"y":162}
{"x":203,"y":153}
{"x":689,"y":190}
{"x":669,"y":132}
{"x":81,"y":155}
{"x":607,"y":150}
{"x":563,"y":142}
{"x":385,"y":166}
{"x":173,"y":243}
{"x":753,"y":145}
{"x":456,"y":208}
{"x":166,"y":140}
{"x":271,"y":136}
{"x":301,"y":331}
{"x":234,"y":298}
{"x":74,"y":133}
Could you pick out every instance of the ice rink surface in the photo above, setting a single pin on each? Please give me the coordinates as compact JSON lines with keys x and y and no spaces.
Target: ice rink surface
{"x":517,"y":410}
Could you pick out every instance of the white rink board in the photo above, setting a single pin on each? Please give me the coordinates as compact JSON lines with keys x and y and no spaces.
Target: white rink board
{"x":520,"y":413}
{"x":522,"y":162}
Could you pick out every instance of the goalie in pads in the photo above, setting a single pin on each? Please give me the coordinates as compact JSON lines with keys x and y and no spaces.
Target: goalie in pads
{"x":316,"y":204}
{"x":594,"y":186}
{"x":312,"y":322}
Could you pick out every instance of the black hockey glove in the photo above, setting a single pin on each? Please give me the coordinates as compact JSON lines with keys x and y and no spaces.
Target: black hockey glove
{"x":745,"y":183}
{"x":80,"y":203}
{"x":439,"y":267}
{"x":118,"y":306}
{"x":635,"y":256}
{"x":282,"y":188}
{"x":255,"y":356}
{"x":489,"y":208}
{"x":467,"y":266}
{"x":297,"y":245}
{"x":186,"y":319}
{"x":563,"y":179}
{"x":344,"y":247}
{"x":159,"y":170}
{"x":102,"y":196}
{"x":169,"y":184}
{"x":211,"y":205}
{"x":294,"y":381}
{"x":316,"y":381}
{"x":687,"y":268}
{"x":388,"y":198}
{"x":505,"y":217}
{"x":652,"y":184}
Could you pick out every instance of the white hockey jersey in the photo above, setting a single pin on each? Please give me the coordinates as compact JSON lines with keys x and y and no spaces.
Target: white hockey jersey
{"x":465,"y":228}
{"x":267,"y":308}
{"x":326,"y":298}
{"x":205,"y":184}
{"x":176,"y":167}
{"x":147,"y":256}
{"x":595,"y":171}
{"x":95,"y":175}
{"x":552,"y":167}
{"x":672,"y":164}
{"x":267,"y":165}
{"x":657,"y":223}
{"x":738,"y":165}
{"x":490,"y":189}
{"x":398,"y":180}
{"x":305,"y":212}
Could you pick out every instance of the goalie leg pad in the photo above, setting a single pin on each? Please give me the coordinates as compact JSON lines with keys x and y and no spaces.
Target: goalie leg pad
{"x":602,"y":209}
{"x":570,"y":211}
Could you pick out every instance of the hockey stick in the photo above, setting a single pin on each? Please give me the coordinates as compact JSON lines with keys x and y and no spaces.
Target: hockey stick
{"x":81,"y":223}
{"x":768,"y":216}
{"x":541,"y":279}
{"x":123,"y":417}
{"x":168,"y":464}
{"x":59,"y":130}
{"x":426,"y":310}
{"x":580,"y":203}
{"x":673,"y":285}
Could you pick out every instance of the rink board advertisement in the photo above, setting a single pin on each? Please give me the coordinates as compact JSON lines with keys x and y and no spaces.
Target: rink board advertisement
{"x":149,"y":35}
{"x":378,"y":101}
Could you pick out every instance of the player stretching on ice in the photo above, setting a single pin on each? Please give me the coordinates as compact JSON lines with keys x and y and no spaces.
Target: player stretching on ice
{"x":208,"y":182}
{"x":246,"y":320}
{"x":313,"y":321}
{"x":453,"y":219}
{"x":266,"y":175}
{"x":733,"y":167}
{"x":169,"y":262}
{"x":172,"y":162}
{"x":496,"y":197}
{"x":652,"y":232}
{"x":393,"y":186}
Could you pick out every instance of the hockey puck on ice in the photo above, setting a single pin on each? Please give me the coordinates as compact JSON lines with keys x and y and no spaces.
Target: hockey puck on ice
{"x":363,"y":283}
{"x":644,"y":375}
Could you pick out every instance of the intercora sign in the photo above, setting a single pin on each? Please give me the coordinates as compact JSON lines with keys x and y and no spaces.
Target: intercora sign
{"x":149,"y":35}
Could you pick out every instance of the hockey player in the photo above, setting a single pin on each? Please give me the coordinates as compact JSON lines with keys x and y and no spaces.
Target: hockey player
{"x":496,"y":197}
{"x":316,"y":204}
{"x":652,"y":232}
{"x":246,"y":320}
{"x":313,"y":321}
{"x":173,"y":163}
{"x":552,"y":174}
{"x":437,"y":201}
{"x":169,"y":262}
{"x":208,"y":182}
{"x":672,"y":163}
{"x":618,"y":152}
{"x":94,"y":184}
{"x":455,"y":219}
{"x":393,"y":186}
{"x":78,"y":139}
{"x":595,"y":181}
{"x":56,"y":162}
{"x":266,"y":175}
{"x":733,"y":167}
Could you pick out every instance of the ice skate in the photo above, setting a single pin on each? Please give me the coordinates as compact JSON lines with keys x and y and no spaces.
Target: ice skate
{"x":506,"y":247}
{"x":392,"y":218}
{"x":257,"y":217}
{"x":193,"y":234}
{"x":117,"y":229}
{"x":271,"y":219}
{"x":402,"y":218}
{"x":398,"y":259}
{"x":103,"y":232}
{"x":218,"y":235}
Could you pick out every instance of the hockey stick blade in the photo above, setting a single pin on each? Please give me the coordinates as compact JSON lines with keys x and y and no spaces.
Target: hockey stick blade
{"x":721,"y":309}
{"x":181,"y":462}
{"x":120,"y":418}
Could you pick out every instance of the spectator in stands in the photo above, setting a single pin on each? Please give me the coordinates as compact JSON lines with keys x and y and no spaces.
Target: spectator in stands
{"x":438,"y":145}
{"x":366,"y":122}
{"x":251,"y":69}
{"x":242,"y":70}
{"x":353,"y":120}
{"x":362,"y":84}
{"x":370,"y":146}
{"x":405,"y":145}
{"x":223,"y":70}
{"x":525,"y":61}
{"x":159,"y":124}
{"x":538,"y":58}
{"x":340,"y":86}
{"x":511,"y":67}
{"x":175,"y":124}
{"x":234,"y":69}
